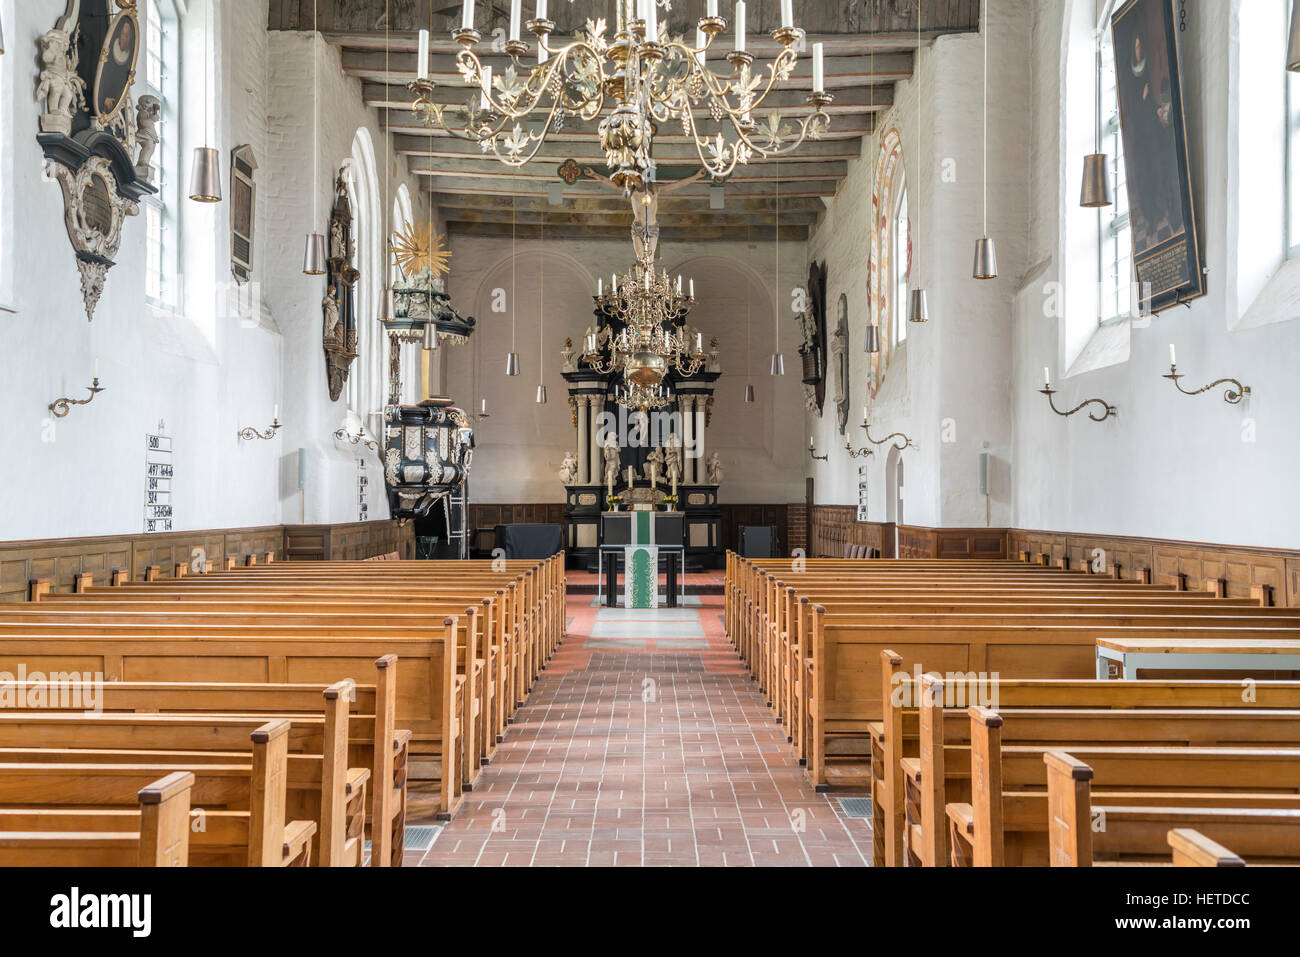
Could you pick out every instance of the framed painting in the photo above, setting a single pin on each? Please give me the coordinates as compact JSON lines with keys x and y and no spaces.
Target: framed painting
{"x":1162,"y":209}
{"x":116,"y":71}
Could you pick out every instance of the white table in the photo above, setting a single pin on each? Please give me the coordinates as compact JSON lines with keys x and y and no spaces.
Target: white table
{"x":1196,"y":654}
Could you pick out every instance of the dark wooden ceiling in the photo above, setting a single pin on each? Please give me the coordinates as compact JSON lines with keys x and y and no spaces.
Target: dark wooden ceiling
{"x":870,"y":45}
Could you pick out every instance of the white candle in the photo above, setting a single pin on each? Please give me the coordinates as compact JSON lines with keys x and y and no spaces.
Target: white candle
{"x":654,"y":475}
{"x":541,"y":10}
{"x":713,"y":8}
{"x":699,"y":342}
{"x":787,"y":13}
{"x":95,"y":374}
{"x":467,"y":15}
{"x":516,"y":15}
{"x":1047,"y":376}
{"x":819,"y":68}
{"x":740,"y":25}
{"x":629,"y":476}
{"x":275,"y":416}
{"x":422,"y":64}
{"x":692,"y":288}
{"x":1173,"y":360}
{"x":600,"y":287}
{"x":679,"y":284}
{"x":614,"y":277}
{"x":485,"y":101}
{"x":651,"y":20}
{"x":647,"y":281}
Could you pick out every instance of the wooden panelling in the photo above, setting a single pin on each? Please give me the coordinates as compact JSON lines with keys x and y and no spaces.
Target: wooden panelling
{"x":62,"y":559}
{"x":489,"y":515}
{"x":734,"y":516}
{"x":834,"y":526}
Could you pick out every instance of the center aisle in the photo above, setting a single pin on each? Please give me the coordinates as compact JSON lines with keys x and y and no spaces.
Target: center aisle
{"x":646,"y":742}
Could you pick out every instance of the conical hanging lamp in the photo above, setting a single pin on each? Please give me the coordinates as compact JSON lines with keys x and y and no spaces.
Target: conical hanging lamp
{"x":986,"y":255}
{"x":512,"y":357}
{"x":1096,"y":190}
{"x":871,"y":341}
{"x":205,"y":171}
{"x":917,"y":310}
{"x":314,"y":260}
{"x":778,"y":358}
{"x":1293,"y":47}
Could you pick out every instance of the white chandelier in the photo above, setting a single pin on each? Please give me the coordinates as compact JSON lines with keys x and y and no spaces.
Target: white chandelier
{"x":647,"y":77}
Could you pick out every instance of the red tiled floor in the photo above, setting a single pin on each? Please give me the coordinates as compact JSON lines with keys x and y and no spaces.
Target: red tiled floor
{"x":657,"y":757}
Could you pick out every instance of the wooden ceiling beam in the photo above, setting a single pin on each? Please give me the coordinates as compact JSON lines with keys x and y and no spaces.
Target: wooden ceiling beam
{"x":588,"y":151}
{"x":544,"y":172}
{"x":504,"y":186}
{"x":609,"y":202}
{"x":666,"y":236}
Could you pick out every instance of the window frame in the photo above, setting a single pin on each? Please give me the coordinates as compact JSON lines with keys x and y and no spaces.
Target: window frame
{"x":1291,"y":157}
{"x":165,"y":203}
{"x":1114,"y":239}
{"x":900,"y":250}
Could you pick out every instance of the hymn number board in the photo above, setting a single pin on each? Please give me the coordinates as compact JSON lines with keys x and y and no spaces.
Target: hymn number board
{"x":363,"y":483}
{"x":158,"y":475}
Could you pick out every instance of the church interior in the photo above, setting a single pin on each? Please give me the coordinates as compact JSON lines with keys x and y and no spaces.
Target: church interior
{"x":668,"y":433}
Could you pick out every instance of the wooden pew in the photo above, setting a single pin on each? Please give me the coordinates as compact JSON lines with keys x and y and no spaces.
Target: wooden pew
{"x":898,"y":736}
{"x":1006,"y":820}
{"x":238,"y":810}
{"x":1083,"y":833}
{"x":429,"y":693}
{"x":1193,"y":849}
{"x":320,"y":785}
{"x":157,"y":834}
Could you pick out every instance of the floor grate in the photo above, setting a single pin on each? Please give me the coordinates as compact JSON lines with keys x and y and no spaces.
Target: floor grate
{"x":856,"y":807}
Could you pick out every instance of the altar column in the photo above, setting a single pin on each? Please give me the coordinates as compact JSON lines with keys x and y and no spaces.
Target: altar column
{"x":584,"y":444}
{"x":684,"y":401}
{"x":595,"y":406}
{"x":701,"y":468}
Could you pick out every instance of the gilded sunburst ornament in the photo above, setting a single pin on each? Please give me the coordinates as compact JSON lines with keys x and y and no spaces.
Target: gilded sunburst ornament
{"x":417,"y":248}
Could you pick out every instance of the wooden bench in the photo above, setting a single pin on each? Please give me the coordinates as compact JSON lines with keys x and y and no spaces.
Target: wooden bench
{"x":238,"y":809}
{"x":1193,"y":849}
{"x":1082,"y":833}
{"x":157,"y":834}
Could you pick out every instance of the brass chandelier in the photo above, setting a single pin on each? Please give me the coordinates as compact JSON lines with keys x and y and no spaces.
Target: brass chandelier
{"x":643,"y":336}
{"x":648,"y":78}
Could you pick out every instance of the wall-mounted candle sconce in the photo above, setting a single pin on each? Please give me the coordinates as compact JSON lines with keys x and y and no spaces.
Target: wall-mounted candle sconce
{"x":62,"y":406}
{"x":812,"y":451}
{"x":248,"y":433}
{"x":894,"y":437}
{"x":1048,"y":391}
{"x":856,"y":453}
{"x":355,"y":439}
{"x":1230,"y":395}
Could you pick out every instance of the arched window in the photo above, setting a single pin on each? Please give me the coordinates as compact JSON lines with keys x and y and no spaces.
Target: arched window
{"x":891,"y":255}
{"x":367,"y":385}
{"x":162,"y":54}
{"x":1115,"y":240}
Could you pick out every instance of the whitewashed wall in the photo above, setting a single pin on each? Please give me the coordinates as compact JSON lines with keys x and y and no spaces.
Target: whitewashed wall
{"x":204,"y":372}
{"x":521,"y":445}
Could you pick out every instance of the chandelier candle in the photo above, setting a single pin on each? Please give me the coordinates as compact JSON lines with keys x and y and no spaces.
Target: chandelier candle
{"x":467,"y":15}
{"x":819,"y":68}
{"x":713,"y":9}
{"x":740,"y":26}
{"x":422,"y":65}
{"x":787,"y":13}
{"x":516,"y":15}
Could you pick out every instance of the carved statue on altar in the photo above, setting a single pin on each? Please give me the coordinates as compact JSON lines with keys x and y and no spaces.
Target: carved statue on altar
{"x":330,"y":305}
{"x":673,"y":459}
{"x":654,"y":464}
{"x":714,"y":470}
{"x":569,"y":468}
{"x":611,"y":460}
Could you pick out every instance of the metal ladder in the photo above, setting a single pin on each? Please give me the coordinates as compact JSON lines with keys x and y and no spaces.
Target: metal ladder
{"x":455,"y":505}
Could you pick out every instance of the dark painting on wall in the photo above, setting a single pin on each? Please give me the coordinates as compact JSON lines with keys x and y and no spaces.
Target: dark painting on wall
{"x":1166,"y":249}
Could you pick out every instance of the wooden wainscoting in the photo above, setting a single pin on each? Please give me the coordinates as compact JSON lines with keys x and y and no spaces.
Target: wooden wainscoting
{"x":734,"y":516}
{"x":915,"y":541}
{"x":1193,"y":564}
{"x":834,"y":526}
{"x":489,"y":515}
{"x":63,"y":560}
{"x":350,"y":542}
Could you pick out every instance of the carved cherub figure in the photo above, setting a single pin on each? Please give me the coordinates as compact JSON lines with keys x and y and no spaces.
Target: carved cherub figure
{"x":146,"y":134}
{"x":60,"y":87}
{"x":714,"y":470}
{"x":569,"y":468}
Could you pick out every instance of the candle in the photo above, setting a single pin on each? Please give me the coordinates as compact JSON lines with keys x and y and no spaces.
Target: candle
{"x":541,"y":10}
{"x":740,"y":26}
{"x":516,"y":15}
{"x":614,"y":279}
{"x":647,"y":281}
{"x":95,"y":374}
{"x":275,"y":416}
{"x":422,"y":63}
{"x":600,"y":286}
{"x":651,"y":20}
{"x":679,"y":284}
{"x":654,"y":475}
{"x":1047,"y":376}
{"x":819,"y":68}
{"x":629,"y":476}
{"x":699,"y":342}
{"x":1173,"y":360}
{"x":787,"y":13}
{"x":486,"y":100}
{"x":467,"y":15}
{"x":482,"y":408}
{"x":713,"y":8}
{"x":692,"y":288}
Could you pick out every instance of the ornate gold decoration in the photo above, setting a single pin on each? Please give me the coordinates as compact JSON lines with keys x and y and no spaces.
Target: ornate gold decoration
{"x":1230,"y":395}
{"x":416,"y":248}
{"x":61,"y":407}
